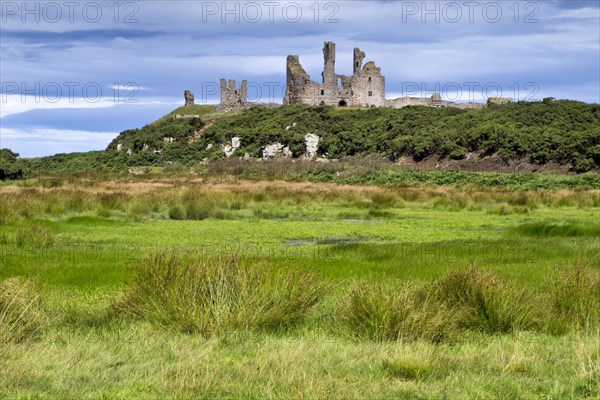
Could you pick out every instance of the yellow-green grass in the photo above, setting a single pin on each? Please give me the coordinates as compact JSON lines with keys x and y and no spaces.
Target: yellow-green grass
{"x":80,"y":243}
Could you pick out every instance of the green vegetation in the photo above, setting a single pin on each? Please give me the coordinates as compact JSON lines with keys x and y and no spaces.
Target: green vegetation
{"x":217,"y":295}
{"x":20,"y":314}
{"x":10,"y":166}
{"x":179,"y":284}
{"x":563,"y":132}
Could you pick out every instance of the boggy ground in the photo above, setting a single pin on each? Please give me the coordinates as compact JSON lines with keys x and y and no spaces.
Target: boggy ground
{"x":284,"y":290}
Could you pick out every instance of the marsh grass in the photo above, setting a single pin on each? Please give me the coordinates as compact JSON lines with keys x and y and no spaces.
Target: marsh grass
{"x":544,"y":229}
{"x":214,"y":295}
{"x":575,"y":299}
{"x":34,"y":235}
{"x":422,"y":366}
{"x":163,"y":195}
{"x":469,"y":299}
{"x":20,"y":312}
{"x":380,"y":313}
{"x":486,"y":303}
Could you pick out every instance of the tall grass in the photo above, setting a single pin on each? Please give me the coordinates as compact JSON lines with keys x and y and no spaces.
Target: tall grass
{"x":543,"y":229}
{"x":20,"y":312}
{"x":469,"y":299}
{"x":486,"y":303}
{"x":163,"y":196}
{"x":33,"y":235}
{"x":211,"y":296}
{"x":380,"y":313}
{"x":575,"y":299}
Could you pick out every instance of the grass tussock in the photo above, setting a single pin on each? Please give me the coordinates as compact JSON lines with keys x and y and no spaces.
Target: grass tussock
{"x":212,"y":296}
{"x":20,"y":312}
{"x":422,"y":366}
{"x":485,"y":303}
{"x":33,"y":235}
{"x":575,"y":299}
{"x":470,"y":299}
{"x":378,"y":313}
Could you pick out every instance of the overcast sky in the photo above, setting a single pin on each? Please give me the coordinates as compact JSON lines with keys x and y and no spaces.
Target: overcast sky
{"x":75,"y":73}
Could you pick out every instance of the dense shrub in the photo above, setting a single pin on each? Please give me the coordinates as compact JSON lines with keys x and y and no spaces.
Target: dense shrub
{"x":566,"y":132}
{"x":10,"y":166}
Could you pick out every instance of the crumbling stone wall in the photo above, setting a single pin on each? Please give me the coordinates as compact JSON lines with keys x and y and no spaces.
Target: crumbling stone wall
{"x":434,"y":101}
{"x":365,"y":87}
{"x":232,"y":97}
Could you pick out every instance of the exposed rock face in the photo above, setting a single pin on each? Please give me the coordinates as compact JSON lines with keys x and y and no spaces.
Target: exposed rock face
{"x":119,"y":147}
{"x":230,"y":149}
{"x":189,"y":98}
{"x":311,"y":142}
{"x":168,"y":140}
{"x":272,"y":150}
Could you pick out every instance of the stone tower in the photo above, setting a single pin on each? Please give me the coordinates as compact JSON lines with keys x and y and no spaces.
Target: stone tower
{"x":359,"y":56}
{"x":365,"y":87}
{"x":233,"y":98}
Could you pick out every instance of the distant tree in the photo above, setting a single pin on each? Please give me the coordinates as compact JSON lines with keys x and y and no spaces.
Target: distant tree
{"x":10,"y":166}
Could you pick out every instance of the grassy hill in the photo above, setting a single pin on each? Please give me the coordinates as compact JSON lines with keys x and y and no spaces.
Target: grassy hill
{"x":564,"y":132}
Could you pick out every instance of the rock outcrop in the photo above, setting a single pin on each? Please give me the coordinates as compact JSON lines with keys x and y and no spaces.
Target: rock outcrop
{"x":230,"y":149}
{"x":189,"y":98}
{"x":311,"y":143}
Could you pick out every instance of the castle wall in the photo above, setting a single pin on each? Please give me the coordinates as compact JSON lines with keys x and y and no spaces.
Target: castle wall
{"x":366,"y":87}
{"x":433,"y":101}
{"x":232,"y":97}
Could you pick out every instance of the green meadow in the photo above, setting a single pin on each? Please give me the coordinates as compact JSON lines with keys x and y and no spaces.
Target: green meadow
{"x":187,"y":285}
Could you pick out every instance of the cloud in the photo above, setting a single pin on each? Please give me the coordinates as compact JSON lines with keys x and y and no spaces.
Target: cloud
{"x":164,"y":48}
{"x":41,"y":142}
{"x":16,"y":103}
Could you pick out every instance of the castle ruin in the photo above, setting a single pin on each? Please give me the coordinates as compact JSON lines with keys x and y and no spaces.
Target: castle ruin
{"x":232,"y":97}
{"x":366,"y":86}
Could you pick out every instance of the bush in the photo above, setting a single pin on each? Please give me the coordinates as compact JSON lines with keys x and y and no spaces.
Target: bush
{"x":211,"y":296}
{"x":20,"y":313}
{"x":10,"y":166}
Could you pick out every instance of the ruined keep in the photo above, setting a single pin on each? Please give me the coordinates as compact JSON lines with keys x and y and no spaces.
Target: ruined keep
{"x":232,"y":97}
{"x":366,"y":86}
